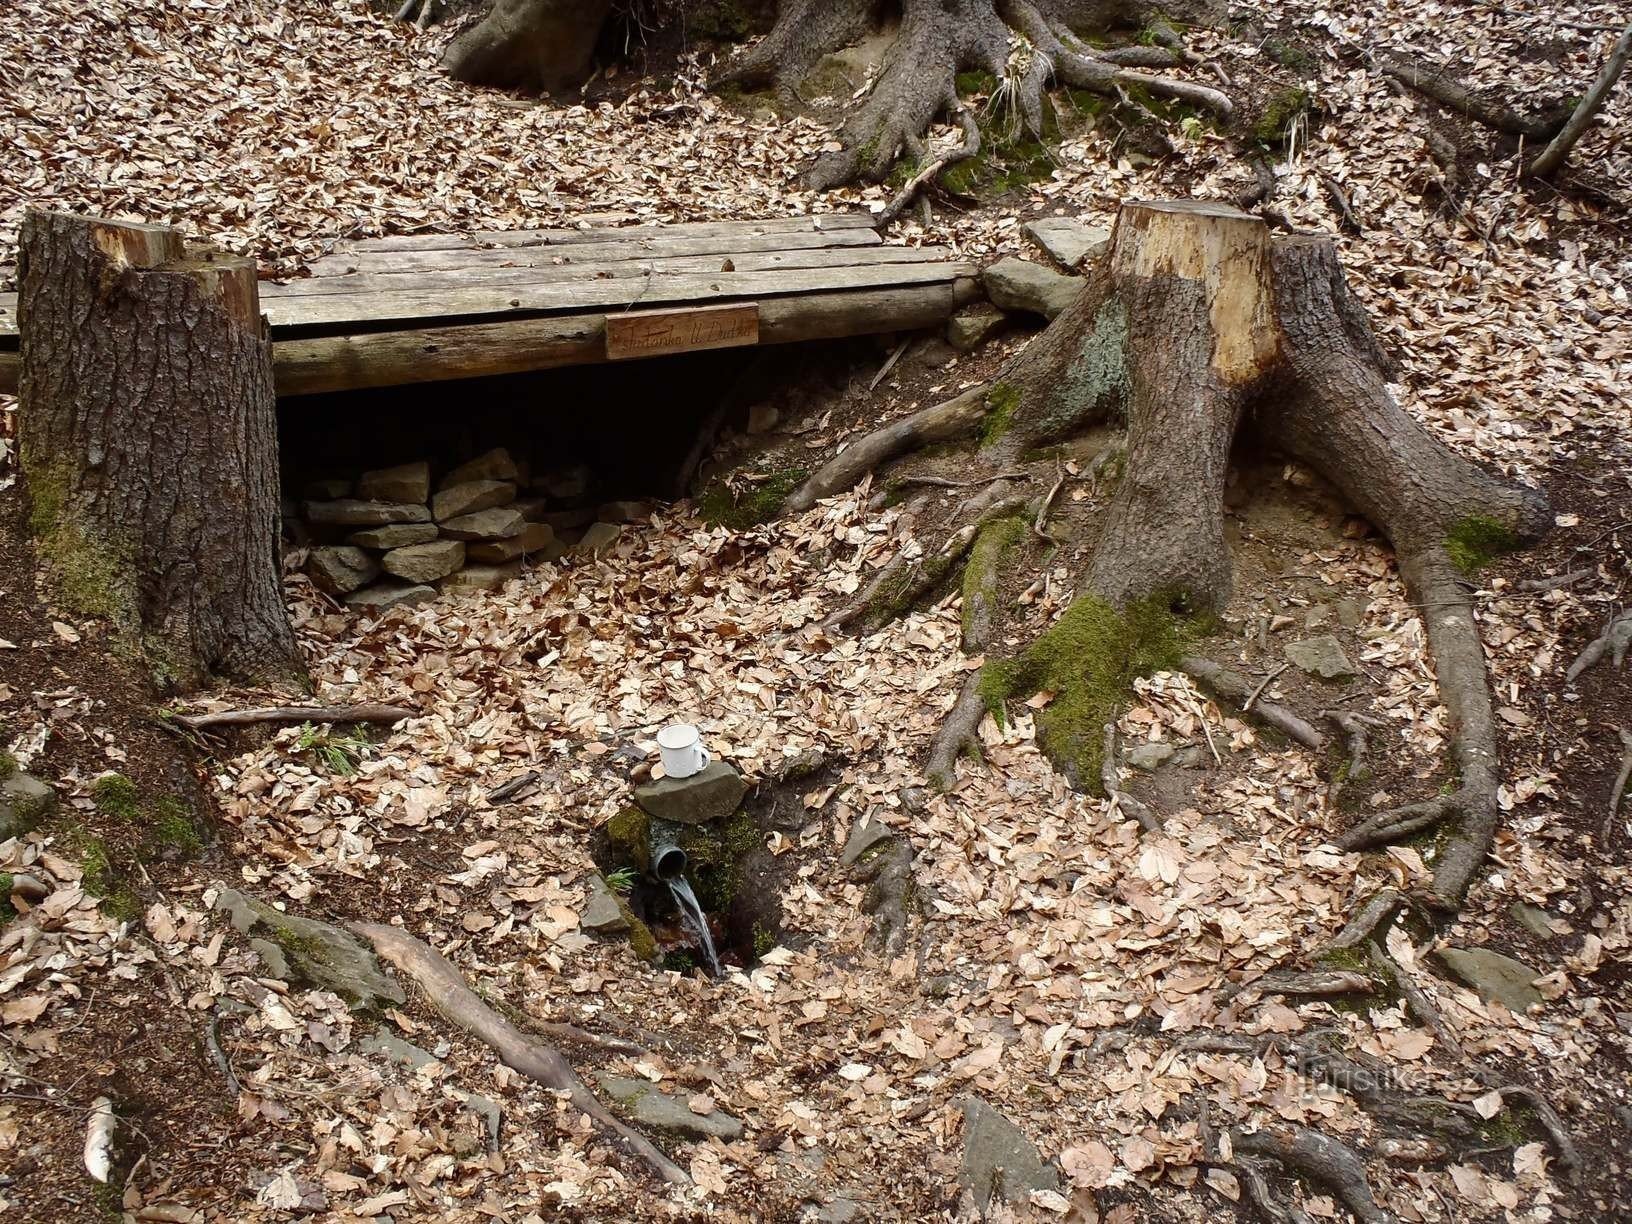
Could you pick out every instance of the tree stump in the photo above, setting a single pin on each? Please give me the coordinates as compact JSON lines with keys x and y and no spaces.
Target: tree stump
{"x":149,"y":444}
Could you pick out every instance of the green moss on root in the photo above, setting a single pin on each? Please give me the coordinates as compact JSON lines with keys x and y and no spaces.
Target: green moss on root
{"x":986,"y":560}
{"x":1002,"y":402}
{"x":723,"y":506}
{"x":1089,"y":659}
{"x":1476,"y":541}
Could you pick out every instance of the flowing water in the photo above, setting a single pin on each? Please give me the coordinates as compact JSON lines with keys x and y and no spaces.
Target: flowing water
{"x":692,"y":913}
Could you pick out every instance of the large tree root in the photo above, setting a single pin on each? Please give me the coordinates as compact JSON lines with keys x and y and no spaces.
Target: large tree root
{"x":445,"y":988}
{"x":1329,"y":1161}
{"x":1194,"y":325}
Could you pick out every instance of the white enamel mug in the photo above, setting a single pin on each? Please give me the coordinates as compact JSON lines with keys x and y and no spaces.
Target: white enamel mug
{"x":682,"y":750}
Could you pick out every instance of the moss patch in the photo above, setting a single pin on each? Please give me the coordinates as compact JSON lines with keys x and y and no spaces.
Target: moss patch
{"x":1281,"y":112}
{"x":740,"y":509}
{"x":1089,"y":659}
{"x":1002,"y":402}
{"x":115,"y":795}
{"x":1476,"y":541}
{"x":166,"y":823}
{"x":8,"y":765}
{"x":91,"y":572}
{"x":103,"y":878}
{"x":985,"y":568}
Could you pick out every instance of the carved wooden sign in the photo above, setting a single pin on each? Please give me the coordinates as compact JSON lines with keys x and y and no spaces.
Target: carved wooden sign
{"x":651,"y":333}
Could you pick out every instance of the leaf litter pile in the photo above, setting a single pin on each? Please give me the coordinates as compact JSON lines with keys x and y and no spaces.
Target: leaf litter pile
{"x":1103,"y":988}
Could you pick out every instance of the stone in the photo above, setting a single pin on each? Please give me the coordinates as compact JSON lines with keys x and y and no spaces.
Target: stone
{"x":24,"y":802}
{"x":396,"y":1049}
{"x":1018,"y":284}
{"x":841,"y":1210}
{"x":602,"y":914}
{"x":408,"y":482}
{"x":341,"y":569}
{"x":348,"y":512}
{"x":1493,"y":976}
{"x":497,"y":524}
{"x":1349,"y":612}
{"x":710,"y":794}
{"x":533,"y":509}
{"x":762,"y":418}
{"x":327,"y":490}
{"x":1320,"y":656}
{"x":496,"y":464}
{"x":398,"y":535}
{"x":1150,"y":755}
{"x":385,"y":595}
{"x":1067,"y":240}
{"x":645,"y":1105}
{"x":480,"y":578}
{"x":425,"y":562}
{"x":625,"y":512}
{"x":566,"y":520}
{"x":934,"y":354}
{"x":487,"y":1111}
{"x":534,"y":538}
{"x":973,"y":326}
{"x":315,"y":953}
{"x":867,"y":834}
{"x":598,"y":538}
{"x":1537,"y":921}
{"x":999,"y":1162}
{"x":565,"y":484}
{"x":473,"y":495}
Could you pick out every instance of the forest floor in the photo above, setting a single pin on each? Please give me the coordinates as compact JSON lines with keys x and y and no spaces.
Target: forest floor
{"x":1047,"y":923}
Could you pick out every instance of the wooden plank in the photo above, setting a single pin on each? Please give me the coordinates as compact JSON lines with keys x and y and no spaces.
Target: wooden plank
{"x":588,"y":252}
{"x":652,"y":333}
{"x":680,"y":229}
{"x":535,"y":274}
{"x":335,"y":312}
{"x":384,"y":359}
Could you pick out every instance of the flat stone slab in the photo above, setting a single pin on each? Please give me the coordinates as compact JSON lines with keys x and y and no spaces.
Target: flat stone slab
{"x":598,"y":538}
{"x":1493,"y":976}
{"x":645,"y":1105}
{"x":709,"y":795}
{"x":349,"y":512}
{"x":496,"y":524}
{"x":535,"y":538}
{"x":471,"y":496}
{"x":867,"y":834}
{"x":1150,"y":755}
{"x":602,"y":914}
{"x":1067,"y":240}
{"x":24,"y":802}
{"x":425,"y":562}
{"x":314,"y":952}
{"x":386,"y":595}
{"x":398,"y":535}
{"x":496,"y":464}
{"x":340,"y":570}
{"x":1320,"y":656}
{"x":999,"y":1161}
{"x":407,"y":482}
{"x":1019,"y":284}
{"x":328,"y":490}
{"x":565,"y":484}
{"x":480,"y":578}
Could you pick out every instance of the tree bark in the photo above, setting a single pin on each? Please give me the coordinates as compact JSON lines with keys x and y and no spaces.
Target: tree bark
{"x":529,"y":44}
{"x":149,"y":443}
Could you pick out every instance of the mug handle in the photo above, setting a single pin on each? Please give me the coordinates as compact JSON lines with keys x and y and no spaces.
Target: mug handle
{"x":703,"y":752}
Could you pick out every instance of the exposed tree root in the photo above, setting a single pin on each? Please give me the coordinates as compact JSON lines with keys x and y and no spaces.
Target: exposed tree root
{"x":1376,"y":912}
{"x":1312,"y":983}
{"x":1235,"y":687}
{"x":1329,"y":1161}
{"x":1552,"y":157}
{"x":888,"y":874}
{"x":1613,"y":641}
{"x":296,"y":714}
{"x":1619,"y":788}
{"x":445,"y":988}
{"x":1120,"y":799}
{"x":1434,"y":82}
{"x":958,"y":735}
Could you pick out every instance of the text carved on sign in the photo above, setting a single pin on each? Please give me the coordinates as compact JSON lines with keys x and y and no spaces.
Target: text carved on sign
{"x":651,"y":333}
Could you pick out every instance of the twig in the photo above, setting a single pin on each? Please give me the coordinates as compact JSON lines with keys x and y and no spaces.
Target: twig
{"x":295,"y":714}
{"x":889,"y":364}
{"x":1246,"y":706}
{"x":212,"y":1040}
{"x":1229,"y":684}
{"x":1039,"y":524}
{"x":1614,"y":641}
{"x":969,"y":148}
{"x":1556,"y":582}
{"x":509,"y":790}
{"x":1120,"y":799}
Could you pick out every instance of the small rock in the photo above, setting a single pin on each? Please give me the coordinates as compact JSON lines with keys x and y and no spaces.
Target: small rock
{"x":1150,"y":755}
{"x":644,"y":1104}
{"x":398,"y":535}
{"x":602,"y":914}
{"x":533,"y":509}
{"x":598,"y":538}
{"x":342,"y":569}
{"x":841,"y":1210}
{"x":565,"y":484}
{"x":487,"y":1110}
{"x":934,"y":354}
{"x":425,"y":562}
{"x":316,"y":953}
{"x":1493,"y":976}
{"x":625,"y":512}
{"x":708,"y":795}
{"x":867,"y":834}
{"x":471,"y":496}
{"x":348,"y":512}
{"x":24,"y":802}
{"x":496,"y":524}
{"x":1320,"y":656}
{"x":1317,"y":616}
{"x":327,"y":490}
{"x":409,"y":482}
{"x":1537,"y":921}
{"x":535,"y":539}
{"x":1349,"y":612}
{"x":1067,"y":240}
{"x":762,"y":418}
{"x":393,"y":1047}
{"x":386,"y":595}
{"x":480,"y":578}
{"x":999,"y":1162}
{"x":495,"y":465}
{"x":973,"y":326}
{"x":1018,"y":284}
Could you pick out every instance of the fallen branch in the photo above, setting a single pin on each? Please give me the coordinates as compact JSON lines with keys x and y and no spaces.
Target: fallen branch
{"x":1232,"y":685}
{"x":507,"y":791}
{"x":296,"y":714}
{"x":1552,"y":157}
{"x":212,"y":1041}
{"x":1312,"y":983}
{"x":1556,"y":582}
{"x":445,"y":988}
{"x":1442,"y":87}
{"x":1374,"y":913}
